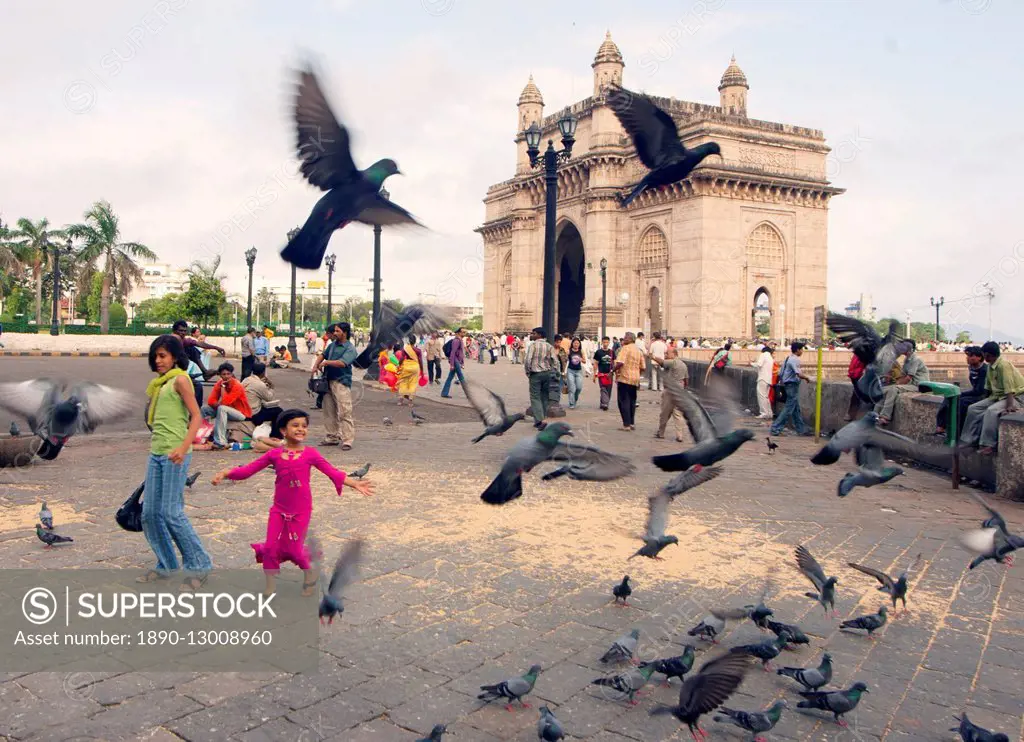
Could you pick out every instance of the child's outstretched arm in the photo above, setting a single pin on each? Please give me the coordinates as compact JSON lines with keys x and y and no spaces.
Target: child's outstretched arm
{"x":336,"y":475}
{"x":246,"y":471}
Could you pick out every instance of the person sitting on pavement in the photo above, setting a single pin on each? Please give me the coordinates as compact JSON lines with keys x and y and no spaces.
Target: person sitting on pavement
{"x":913,"y":374}
{"x":227,"y":402}
{"x":977,"y":370}
{"x":282,"y":357}
{"x":259,"y":392}
{"x":1005,"y":387}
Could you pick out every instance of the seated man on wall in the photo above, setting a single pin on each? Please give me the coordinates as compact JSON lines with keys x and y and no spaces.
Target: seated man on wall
{"x":227,"y":402}
{"x":976,"y":371}
{"x":914,"y":373}
{"x":259,"y":392}
{"x":1005,"y":387}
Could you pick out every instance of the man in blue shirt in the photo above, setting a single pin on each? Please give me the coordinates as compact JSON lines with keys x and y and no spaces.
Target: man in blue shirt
{"x":337,"y":364}
{"x":456,"y":359}
{"x":789,"y":377}
{"x":261,"y":345}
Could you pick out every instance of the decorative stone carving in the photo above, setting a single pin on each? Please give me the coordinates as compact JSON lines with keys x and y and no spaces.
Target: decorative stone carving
{"x":767,"y":158}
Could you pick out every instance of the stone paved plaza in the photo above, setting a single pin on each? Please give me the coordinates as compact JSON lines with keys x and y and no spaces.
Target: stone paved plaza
{"x":454,"y":593}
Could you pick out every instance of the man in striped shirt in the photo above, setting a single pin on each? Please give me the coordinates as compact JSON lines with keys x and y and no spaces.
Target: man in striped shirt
{"x":540,"y":364}
{"x":629,"y":363}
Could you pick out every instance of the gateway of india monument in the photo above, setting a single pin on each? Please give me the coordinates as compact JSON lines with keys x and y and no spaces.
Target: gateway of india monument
{"x":741,"y":244}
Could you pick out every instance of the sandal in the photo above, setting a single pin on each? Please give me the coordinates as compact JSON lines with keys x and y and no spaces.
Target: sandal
{"x":193,"y":583}
{"x":151,"y":576}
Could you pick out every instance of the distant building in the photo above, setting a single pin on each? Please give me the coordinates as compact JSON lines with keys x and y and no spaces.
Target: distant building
{"x":863,"y":308}
{"x":158,"y":280}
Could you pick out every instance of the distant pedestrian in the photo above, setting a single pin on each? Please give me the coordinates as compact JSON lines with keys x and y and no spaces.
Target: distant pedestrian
{"x":574,"y":371}
{"x":790,"y":376}
{"x":721,"y":360}
{"x":337,"y":364}
{"x":675,"y":372}
{"x":764,"y":365}
{"x":603,"y":360}
{"x":629,"y":366}
{"x":248,"y":351}
{"x":456,"y":354}
{"x":435,"y":349}
{"x":540,"y":364}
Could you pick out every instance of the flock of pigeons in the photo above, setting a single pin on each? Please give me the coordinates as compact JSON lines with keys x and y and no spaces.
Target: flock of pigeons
{"x":55,"y":412}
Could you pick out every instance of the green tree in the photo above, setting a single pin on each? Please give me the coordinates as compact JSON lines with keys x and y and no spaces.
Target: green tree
{"x":118,"y":315}
{"x":94,"y":298}
{"x":205,"y":295}
{"x":163,"y":310}
{"x":475,"y":323}
{"x":33,"y":244}
{"x":763,"y":328}
{"x":963,"y":338}
{"x":101,"y":238}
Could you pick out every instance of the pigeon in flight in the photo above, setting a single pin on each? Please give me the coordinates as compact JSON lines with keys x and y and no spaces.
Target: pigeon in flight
{"x":361,"y":472}
{"x":993,"y":541}
{"x":756,"y":722}
{"x":825,"y":586}
{"x":55,"y":417}
{"x":707,"y":690}
{"x":877,"y":353}
{"x":811,"y":678}
{"x":971,"y":732}
{"x":46,"y":517}
{"x":491,"y":409}
{"x":869,"y":623}
{"x":49,"y":538}
{"x":512,"y":689}
{"x":711,"y":419}
{"x":656,"y":139}
{"x":352,"y":195}
{"x":344,"y":572}
{"x":549,"y":729}
{"x":584,"y":462}
{"x":657,"y":509}
{"x":896,"y":589}
{"x":435,"y":734}
{"x":395,"y":327}
{"x":622,"y":591}
{"x":838,"y":702}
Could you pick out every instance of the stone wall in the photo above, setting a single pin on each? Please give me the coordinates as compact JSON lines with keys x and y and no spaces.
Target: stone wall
{"x":104,"y":343}
{"x":914,"y":417}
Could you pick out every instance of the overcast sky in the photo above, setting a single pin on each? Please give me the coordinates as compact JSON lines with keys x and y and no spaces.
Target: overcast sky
{"x":177,"y":112}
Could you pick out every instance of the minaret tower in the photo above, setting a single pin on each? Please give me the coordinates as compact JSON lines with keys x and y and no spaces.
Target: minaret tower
{"x":733,"y":90}
{"x":607,"y":64}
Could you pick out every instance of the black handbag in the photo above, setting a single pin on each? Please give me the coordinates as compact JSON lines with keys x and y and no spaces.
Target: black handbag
{"x":780,"y":388}
{"x":129,"y":515}
{"x":319,"y":386}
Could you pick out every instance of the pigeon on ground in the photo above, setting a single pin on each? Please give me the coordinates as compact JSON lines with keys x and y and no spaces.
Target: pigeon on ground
{"x":754,"y":721}
{"x":896,"y":589}
{"x":585,"y":462}
{"x":825,"y":586}
{"x":838,"y":702}
{"x":622,"y":591}
{"x":623,"y":648}
{"x":794,"y":634}
{"x":55,"y":417}
{"x":765,"y":651}
{"x":971,"y":732}
{"x":395,"y":327}
{"x":49,"y":538}
{"x":711,"y":420}
{"x":14,"y":430}
{"x":417,"y":418}
{"x":46,"y":517}
{"x":351,"y":194}
{"x":658,"y":504}
{"x":707,"y":690}
{"x":512,"y":689}
{"x":877,"y":353}
{"x":191,"y":479}
{"x":435,"y":734}
{"x":627,"y":683}
{"x":388,"y":421}
{"x":713,"y":624}
{"x":549,"y":729}
{"x":491,"y":409}
{"x":772,"y":445}
{"x":656,"y":139}
{"x":344,"y":572}
{"x":361,"y":472}
{"x":869,"y":623}
{"x":674,"y":667}
{"x":993,"y":541}
{"x":811,"y":678}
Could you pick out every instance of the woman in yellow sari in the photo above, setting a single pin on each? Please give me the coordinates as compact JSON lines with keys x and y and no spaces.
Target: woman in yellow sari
{"x":409,"y":371}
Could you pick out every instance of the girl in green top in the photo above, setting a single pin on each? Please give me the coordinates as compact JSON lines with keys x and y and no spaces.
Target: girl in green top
{"x":174,"y":417}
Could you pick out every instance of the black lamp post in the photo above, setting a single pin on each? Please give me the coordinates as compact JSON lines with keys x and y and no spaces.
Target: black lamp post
{"x":604,"y":297}
{"x":329,"y":260}
{"x":250,"y":258}
{"x":373,"y":370}
{"x":550,"y":160}
{"x":55,"y":320}
{"x":292,"y":347}
{"x":937,"y":305}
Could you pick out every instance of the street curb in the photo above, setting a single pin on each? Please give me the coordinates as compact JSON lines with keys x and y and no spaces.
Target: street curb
{"x":73,"y":354}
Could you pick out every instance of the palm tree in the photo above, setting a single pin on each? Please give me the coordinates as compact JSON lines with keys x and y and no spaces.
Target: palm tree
{"x":100,"y":235}
{"x":31,"y":243}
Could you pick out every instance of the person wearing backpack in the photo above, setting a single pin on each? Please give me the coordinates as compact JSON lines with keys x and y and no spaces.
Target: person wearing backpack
{"x":720,"y":362}
{"x":455,"y":352}
{"x":790,"y":377}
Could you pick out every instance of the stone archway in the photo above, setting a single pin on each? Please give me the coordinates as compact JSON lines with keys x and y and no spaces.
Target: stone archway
{"x":654,"y":310}
{"x":761,"y":314}
{"x":571,"y":279}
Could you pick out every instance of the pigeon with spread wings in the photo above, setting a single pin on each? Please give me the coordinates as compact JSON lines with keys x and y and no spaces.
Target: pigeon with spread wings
{"x":824,"y":585}
{"x":657,"y":509}
{"x":657,"y":142}
{"x":345,"y":570}
{"x":993,"y":540}
{"x":877,"y":353}
{"x":395,"y":327}
{"x":352,"y":195}
{"x":895,"y":589}
{"x":491,"y":409}
{"x":707,"y":690}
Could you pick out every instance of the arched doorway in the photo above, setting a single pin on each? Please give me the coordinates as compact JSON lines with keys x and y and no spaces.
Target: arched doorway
{"x":654,"y":309}
{"x":761,"y":314}
{"x":571,"y":279}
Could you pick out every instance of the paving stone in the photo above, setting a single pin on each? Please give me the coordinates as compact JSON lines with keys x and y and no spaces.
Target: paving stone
{"x":439,"y":706}
{"x":378,"y":730}
{"x":334,"y":715}
{"x":396,"y":688}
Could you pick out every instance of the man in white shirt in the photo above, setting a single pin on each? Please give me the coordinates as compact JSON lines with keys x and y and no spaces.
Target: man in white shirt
{"x":658,"y":348}
{"x":764,"y":364}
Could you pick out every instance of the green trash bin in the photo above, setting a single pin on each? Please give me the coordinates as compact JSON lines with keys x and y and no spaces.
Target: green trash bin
{"x":952,"y":393}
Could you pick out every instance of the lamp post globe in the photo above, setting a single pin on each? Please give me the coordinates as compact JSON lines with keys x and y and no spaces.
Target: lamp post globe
{"x":292,"y":347}
{"x":329,"y":261}
{"x":250,"y":259}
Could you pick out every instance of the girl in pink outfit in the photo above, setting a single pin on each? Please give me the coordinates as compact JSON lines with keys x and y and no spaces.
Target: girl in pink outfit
{"x":293,"y":500}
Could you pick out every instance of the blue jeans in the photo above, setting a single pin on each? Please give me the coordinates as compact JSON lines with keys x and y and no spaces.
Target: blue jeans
{"x":164,"y":521}
{"x":455,"y":370}
{"x":220,"y":415}
{"x":791,"y":411}
{"x":574,"y":380}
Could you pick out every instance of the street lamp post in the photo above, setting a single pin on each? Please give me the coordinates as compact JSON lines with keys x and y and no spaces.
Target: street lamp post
{"x":937,"y":305}
{"x":292,"y":347}
{"x":131,"y":321}
{"x":373,"y":370}
{"x":550,"y":160}
{"x":329,"y":260}
{"x":990,"y":293}
{"x":604,"y":297}
{"x":302,"y":312}
{"x":250,"y":258}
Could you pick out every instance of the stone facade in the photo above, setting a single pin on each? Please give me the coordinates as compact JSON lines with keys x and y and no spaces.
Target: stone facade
{"x":745,"y":229}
